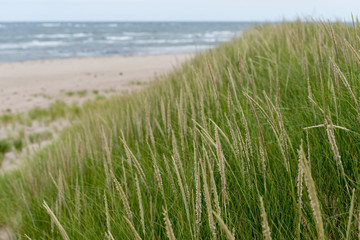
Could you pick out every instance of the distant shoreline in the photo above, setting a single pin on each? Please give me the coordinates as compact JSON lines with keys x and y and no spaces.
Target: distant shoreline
{"x":99,"y":57}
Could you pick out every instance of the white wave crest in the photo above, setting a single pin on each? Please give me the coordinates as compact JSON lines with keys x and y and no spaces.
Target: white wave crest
{"x":118,"y":38}
{"x":50,"y":25}
{"x":31,"y":44}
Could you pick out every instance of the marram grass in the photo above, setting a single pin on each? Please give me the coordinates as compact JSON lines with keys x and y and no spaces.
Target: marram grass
{"x":211,"y":150}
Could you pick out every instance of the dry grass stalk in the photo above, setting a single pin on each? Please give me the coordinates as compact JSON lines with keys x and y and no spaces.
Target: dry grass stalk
{"x":176,"y":158}
{"x":229,"y":143}
{"x":107,"y":149}
{"x":246,"y":154}
{"x":109,"y":236}
{"x":356,"y":54}
{"x":123,"y":197}
{"x":247,"y":132}
{"x":334,"y":39}
{"x":351,"y":212}
{"x":159,"y":179}
{"x":136,"y":162}
{"x":124,"y":176}
{"x":280,"y":137}
{"x":333,"y":93}
{"x":314,"y":201}
{"x":136,"y":235}
{"x":265,"y":224}
{"x":160,"y":129}
{"x":198,"y":198}
{"x":54,"y":218}
{"x":229,"y":234}
{"x":263,"y":160}
{"x":192,"y":108}
{"x":169,"y":230}
{"x":163,"y":113}
{"x":310,"y":96}
{"x":169,"y":128}
{"x":27,"y":237}
{"x":182,"y":190}
{"x":213,"y":183}
{"x":323,"y":125}
{"x":282,"y":128}
{"x":108,"y":226}
{"x":269,"y":120}
{"x":347,"y":85}
{"x":141,"y":207}
{"x":204,"y":134}
{"x":61,"y":197}
{"x":213,"y":81}
{"x":208,"y":200}
{"x":334,"y":147}
{"x":177,"y":155}
{"x":202,"y":110}
{"x":221,"y":165}
{"x":300,"y":180}
{"x":261,"y":138}
{"x":238,"y":149}
{"x":77,"y":200}
{"x":151,"y":134}
{"x":172,"y":182}
{"x":233,"y":85}
{"x":106,"y":170}
{"x":184,"y":125}
{"x":308,"y":145}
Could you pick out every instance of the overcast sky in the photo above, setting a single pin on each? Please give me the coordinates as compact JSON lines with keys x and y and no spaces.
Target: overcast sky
{"x":175,"y":10}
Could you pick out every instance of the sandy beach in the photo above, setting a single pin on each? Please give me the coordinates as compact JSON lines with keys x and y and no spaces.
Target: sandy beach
{"x":25,"y":85}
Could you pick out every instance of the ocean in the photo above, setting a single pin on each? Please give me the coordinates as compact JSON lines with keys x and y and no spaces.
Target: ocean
{"x":34,"y":41}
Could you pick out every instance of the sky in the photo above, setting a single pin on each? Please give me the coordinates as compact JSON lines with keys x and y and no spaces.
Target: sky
{"x":176,"y":10}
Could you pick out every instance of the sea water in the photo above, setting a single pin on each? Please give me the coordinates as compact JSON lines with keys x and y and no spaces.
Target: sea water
{"x":42,"y":40}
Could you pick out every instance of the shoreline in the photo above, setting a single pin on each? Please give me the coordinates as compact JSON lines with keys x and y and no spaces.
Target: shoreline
{"x":38,"y":83}
{"x":105,"y":56}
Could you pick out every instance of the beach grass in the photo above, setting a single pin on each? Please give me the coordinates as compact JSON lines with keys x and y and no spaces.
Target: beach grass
{"x":258,"y":138}
{"x":40,"y":136}
{"x":5,"y":146}
{"x":55,"y":111}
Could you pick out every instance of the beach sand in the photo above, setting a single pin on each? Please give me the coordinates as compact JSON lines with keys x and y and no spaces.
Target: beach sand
{"x":25,"y":85}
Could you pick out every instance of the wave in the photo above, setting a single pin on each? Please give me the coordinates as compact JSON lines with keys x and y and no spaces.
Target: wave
{"x":174,"y":41}
{"x":112,"y":25}
{"x":80,"y":35}
{"x":51,"y":25}
{"x":211,"y":40}
{"x":190,"y":35}
{"x":118,"y":38}
{"x":219,"y":33}
{"x":2,"y":26}
{"x":31,"y":44}
{"x":136,"y":33}
{"x":56,"y":36}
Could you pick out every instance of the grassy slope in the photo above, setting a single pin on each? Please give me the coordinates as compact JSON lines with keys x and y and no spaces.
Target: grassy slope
{"x":218,"y":134}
